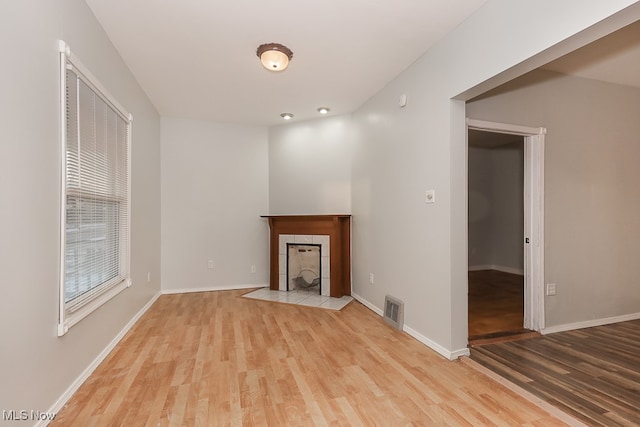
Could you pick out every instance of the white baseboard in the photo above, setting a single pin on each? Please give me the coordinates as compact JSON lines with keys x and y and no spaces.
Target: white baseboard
{"x":451,"y":355}
{"x":480,"y":267}
{"x":57,"y":406}
{"x":590,"y":323}
{"x":502,"y":268}
{"x":211,"y":289}
{"x":367,"y":304}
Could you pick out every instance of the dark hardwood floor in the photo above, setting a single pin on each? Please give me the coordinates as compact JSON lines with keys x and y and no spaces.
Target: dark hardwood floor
{"x":592,"y":374}
{"x":496,"y":306}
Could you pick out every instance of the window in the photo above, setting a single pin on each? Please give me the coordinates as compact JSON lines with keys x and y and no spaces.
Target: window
{"x":96,"y":139}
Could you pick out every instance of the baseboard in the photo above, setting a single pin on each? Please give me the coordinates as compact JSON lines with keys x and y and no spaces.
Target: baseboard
{"x":57,"y":406}
{"x":451,"y":355}
{"x":590,"y":323}
{"x":212,"y":289}
{"x":480,"y":267}
{"x":501,"y":268}
{"x":367,"y":304}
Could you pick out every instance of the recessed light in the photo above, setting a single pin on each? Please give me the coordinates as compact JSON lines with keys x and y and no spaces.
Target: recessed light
{"x":323,"y":110}
{"x":286,"y":116}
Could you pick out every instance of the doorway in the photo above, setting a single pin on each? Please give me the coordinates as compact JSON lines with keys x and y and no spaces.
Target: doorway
{"x":505,"y":229}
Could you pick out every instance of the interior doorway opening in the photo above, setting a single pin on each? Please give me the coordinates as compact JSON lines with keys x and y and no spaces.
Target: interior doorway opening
{"x":496,"y":235}
{"x":505,"y":230}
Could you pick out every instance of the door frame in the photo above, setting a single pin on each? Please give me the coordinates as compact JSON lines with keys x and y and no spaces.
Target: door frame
{"x":534,"y":138}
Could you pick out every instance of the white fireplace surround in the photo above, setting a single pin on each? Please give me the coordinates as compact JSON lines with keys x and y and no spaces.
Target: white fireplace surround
{"x":322,"y":240}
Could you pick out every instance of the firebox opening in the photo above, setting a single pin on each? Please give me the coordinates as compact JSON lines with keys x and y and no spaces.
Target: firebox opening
{"x":304,"y":267}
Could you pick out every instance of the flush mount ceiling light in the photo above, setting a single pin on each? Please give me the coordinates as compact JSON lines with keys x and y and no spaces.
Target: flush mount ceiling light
{"x":323,"y":110}
{"x":274,"y":56}
{"x":286,"y":116}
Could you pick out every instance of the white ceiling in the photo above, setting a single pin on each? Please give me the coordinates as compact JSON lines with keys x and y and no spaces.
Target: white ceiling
{"x":614,"y":58}
{"x":196,"y":58}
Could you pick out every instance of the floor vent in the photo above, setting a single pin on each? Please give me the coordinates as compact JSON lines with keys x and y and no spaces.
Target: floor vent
{"x":394,"y":312}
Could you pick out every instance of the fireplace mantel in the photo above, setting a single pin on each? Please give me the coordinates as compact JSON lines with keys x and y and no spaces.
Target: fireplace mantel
{"x":337,"y":227}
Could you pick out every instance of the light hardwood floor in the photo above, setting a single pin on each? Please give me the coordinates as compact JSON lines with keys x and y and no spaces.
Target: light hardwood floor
{"x":215,"y":359}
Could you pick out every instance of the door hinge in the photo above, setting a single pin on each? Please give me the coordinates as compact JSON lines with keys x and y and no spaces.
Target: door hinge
{"x":526,"y":240}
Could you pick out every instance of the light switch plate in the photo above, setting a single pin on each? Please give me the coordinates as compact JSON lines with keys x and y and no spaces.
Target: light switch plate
{"x":551,"y":289}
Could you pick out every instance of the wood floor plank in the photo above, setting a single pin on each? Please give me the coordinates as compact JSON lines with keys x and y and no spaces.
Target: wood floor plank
{"x":496,"y":303}
{"x":593,"y":373}
{"x":216,"y":359}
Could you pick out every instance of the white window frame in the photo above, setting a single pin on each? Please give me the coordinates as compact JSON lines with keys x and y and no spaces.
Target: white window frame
{"x":70,"y":313}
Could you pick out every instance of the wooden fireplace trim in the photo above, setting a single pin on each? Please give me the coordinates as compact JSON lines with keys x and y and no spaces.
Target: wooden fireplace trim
{"x":337,"y":227}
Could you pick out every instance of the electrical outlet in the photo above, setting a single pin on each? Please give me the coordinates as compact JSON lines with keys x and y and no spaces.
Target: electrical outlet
{"x":551,"y":289}
{"x":210,"y":263}
{"x":253,"y":268}
{"x":371,"y":278}
{"x":430,"y":196}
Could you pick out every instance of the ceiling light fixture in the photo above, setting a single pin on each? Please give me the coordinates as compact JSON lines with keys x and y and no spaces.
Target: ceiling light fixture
{"x":274,"y":56}
{"x":286,"y":116}
{"x":323,"y":110}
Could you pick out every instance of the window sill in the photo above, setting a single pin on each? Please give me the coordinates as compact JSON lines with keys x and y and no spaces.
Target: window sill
{"x":70,"y":319}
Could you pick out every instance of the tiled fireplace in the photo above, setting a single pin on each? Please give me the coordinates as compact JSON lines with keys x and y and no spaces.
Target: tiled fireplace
{"x":304,"y":260}
{"x":301,"y":238}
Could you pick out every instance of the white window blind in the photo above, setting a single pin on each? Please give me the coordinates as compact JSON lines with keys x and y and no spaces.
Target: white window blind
{"x":96,"y":137}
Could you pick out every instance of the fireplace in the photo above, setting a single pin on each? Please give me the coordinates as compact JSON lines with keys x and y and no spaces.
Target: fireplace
{"x":329,"y":234}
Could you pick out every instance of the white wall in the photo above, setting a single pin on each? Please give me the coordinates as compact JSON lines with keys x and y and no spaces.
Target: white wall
{"x":508,"y":206}
{"x":215,"y":185}
{"x":310,"y":167}
{"x":36,"y":366}
{"x":496,"y":208}
{"x":592,"y":230}
{"x":480,"y":207}
{"x":418,"y":252}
